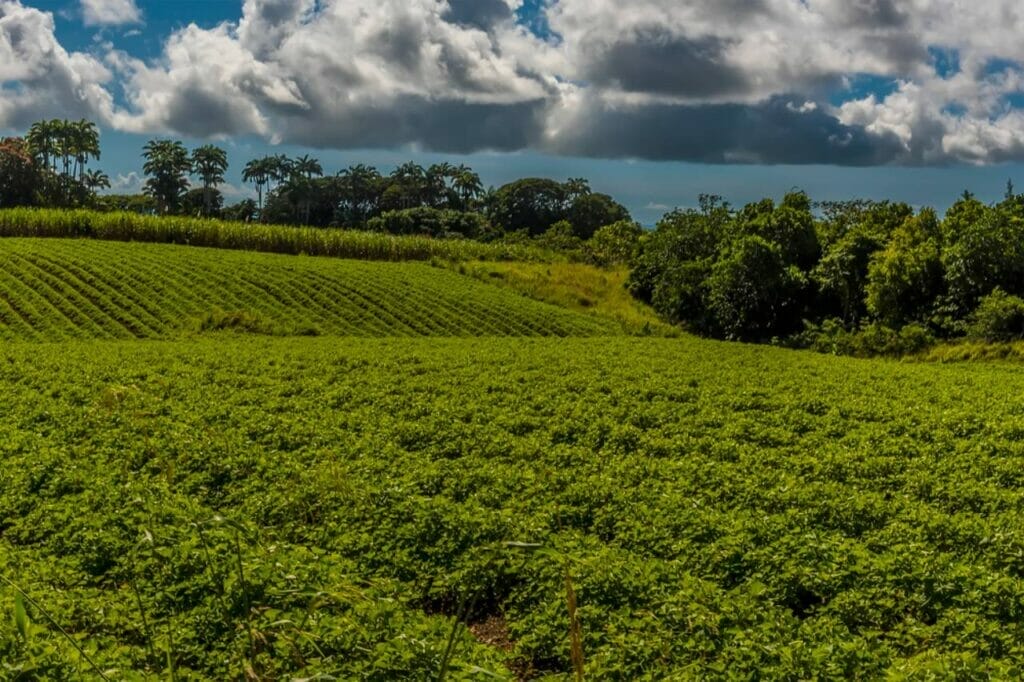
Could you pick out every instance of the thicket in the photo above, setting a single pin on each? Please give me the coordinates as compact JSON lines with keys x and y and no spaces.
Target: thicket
{"x":857,"y":277}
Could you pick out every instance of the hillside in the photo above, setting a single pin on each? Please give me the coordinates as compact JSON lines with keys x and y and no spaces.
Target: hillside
{"x":55,"y":289}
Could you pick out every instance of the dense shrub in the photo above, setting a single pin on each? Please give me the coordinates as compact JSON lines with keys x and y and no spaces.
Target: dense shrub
{"x":833,"y":336}
{"x":999,"y":317}
{"x":431,"y":222}
{"x":616,"y":244}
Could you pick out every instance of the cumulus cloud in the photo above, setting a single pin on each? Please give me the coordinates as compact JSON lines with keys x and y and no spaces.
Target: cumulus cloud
{"x":110,"y":12}
{"x":40,"y":79}
{"x":758,"y":81}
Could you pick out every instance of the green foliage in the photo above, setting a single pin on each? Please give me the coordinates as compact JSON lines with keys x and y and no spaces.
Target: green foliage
{"x":752,"y":293}
{"x":55,"y":289}
{"x":532,"y":204}
{"x":616,"y":244}
{"x":304,"y":507}
{"x":19,"y":177}
{"x":129,"y":203}
{"x":906,"y":278}
{"x":167,"y":166}
{"x":560,"y":237}
{"x":860,"y":276}
{"x":870,"y":340}
{"x":983,"y":254}
{"x":999,"y":317}
{"x":431,"y":222}
{"x":591,"y":211}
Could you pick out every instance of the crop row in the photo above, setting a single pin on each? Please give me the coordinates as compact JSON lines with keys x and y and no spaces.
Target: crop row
{"x":335,"y":243}
{"x":56,"y":289}
{"x":721,"y":511}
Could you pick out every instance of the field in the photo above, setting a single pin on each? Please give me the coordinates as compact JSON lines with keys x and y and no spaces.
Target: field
{"x":286,"y":508}
{"x":131,"y":227}
{"x":56,"y":289}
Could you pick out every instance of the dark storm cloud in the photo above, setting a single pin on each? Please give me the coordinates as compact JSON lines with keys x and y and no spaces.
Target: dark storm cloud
{"x":197,"y":112}
{"x":656,"y":61}
{"x":772,"y":132}
{"x":450,"y":126}
{"x":482,"y":14}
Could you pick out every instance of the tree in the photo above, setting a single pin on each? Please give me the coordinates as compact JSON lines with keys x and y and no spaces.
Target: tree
{"x":752,"y":294}
{"x":532,"y":204}
{"x":905,"y":279}
{"x":406,"y":187}
{"x":303,"y":170}
{"x":616,"y":244}
{"x":96,"y":180}
{"x":982,"y":254}
{"x":851,"y":233}
{"x":681,"y":236}
{"x":167,"y":165}
{"x":202,"y":202}
{"x":307,"y":167}
{"x":589,"y":212}
{"x":438,"y":193}
{"x":790,"y":226}
{"x":19,"y":174}
{"x":467,"y":185}
{"x":359,"y":194}
{"x":257,"y":172}
{"x":63,"y":150}
{"x":210,"y":163}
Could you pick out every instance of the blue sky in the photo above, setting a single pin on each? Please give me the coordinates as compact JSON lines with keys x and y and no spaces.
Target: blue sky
{"x":880,"y":104}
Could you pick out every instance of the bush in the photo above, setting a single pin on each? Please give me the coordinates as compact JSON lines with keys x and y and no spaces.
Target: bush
{"x":999,"y":317}
{"x":431,"y":222}
{"x":616,"y":244}
{"x":870,"y":340}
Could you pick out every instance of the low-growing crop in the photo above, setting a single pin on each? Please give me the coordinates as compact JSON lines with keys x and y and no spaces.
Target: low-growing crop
{"x":265,"y":508}
{"x":54,"y":289}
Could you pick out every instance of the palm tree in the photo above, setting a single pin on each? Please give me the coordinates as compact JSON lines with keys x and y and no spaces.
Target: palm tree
{"x":210,"y":163}
{"x":257,"y":172}
{"x":468,"y":185}
{"x":168,"y":164}
{"x":360,"y":193}
{"x":42,"y":143}
{"x":85,"y":145}
{"x":95,"y":180}
{"x":307,"y":166}
{"x":303,"y":170}
{"x":409,"y":183}
{"x":280,"y":168}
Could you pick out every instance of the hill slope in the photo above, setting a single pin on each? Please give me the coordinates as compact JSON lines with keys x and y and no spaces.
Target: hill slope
{"x":57,"y":289}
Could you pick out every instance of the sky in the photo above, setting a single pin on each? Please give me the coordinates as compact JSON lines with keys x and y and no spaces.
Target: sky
{"x":655,"y":101}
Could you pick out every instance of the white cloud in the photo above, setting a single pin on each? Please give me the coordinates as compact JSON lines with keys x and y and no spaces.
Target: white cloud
{"x":40,"y":79}
{"x":731,"y":80}
{"x":110,"y":12}
{"x":127,"y":184}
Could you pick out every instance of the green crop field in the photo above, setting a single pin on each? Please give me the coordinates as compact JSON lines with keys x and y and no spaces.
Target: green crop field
{"x":57,"y":289}
{"x":191,"y":489}
{"x":303,"y":507}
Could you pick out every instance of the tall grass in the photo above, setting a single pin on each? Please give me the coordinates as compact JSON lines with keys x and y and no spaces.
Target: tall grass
{"x":337,"y":243}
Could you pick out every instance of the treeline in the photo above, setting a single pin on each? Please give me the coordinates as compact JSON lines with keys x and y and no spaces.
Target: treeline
{"x":857,"y":277}
{"x":50,"y":168}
